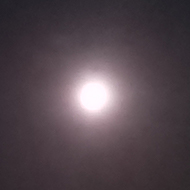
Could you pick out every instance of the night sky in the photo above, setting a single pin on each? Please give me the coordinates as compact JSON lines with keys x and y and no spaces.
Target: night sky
{"x":141,"y":48}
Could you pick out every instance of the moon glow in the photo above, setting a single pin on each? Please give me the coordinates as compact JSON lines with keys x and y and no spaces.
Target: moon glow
{"x":93,"y":96}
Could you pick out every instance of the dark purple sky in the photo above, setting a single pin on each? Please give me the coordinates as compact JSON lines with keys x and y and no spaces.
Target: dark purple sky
{"x":48,"y":48}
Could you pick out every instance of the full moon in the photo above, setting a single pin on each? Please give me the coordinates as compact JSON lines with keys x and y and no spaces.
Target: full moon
{"x":93,"y":96}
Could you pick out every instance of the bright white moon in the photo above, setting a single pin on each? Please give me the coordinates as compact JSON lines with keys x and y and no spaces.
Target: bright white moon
{"x":93,"y":96}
